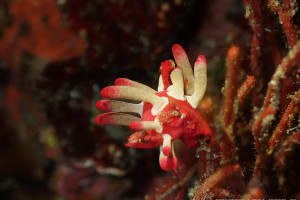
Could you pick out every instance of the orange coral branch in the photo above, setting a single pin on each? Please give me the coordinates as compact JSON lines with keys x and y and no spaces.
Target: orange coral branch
{"x":255,"y":17}
{"x":272,"y":98}
{"x":260,"y":163}
{"x":243,"y":91}
{"x":281,"y":71}
{"x":285,"y":149}
{"x":286,"y":118}
{"x":255,"y":68}
{"x":285,"y":13}
{"x":233,"y":62}
{"x":287,"y":89}
{"x":227,"y":149}
{"x":221,"y":193}
{"x":173,"y":183}
{"x":276,"y":56}
{"x":263,"y":121}
{"x":254,"y":193}
{"x":215,"y":179}
{"x":203,"y":165}
{"x":207,"y":160}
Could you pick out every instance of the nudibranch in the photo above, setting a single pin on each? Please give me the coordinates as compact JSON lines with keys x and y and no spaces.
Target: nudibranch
{"x":165,"y":115}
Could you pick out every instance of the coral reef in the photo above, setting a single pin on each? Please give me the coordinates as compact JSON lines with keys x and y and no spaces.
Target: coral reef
{"x":226,"y":128}
{"x":37,"y":29}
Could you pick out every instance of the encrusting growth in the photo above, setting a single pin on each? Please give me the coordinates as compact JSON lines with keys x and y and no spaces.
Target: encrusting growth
{"x":165,"y":115}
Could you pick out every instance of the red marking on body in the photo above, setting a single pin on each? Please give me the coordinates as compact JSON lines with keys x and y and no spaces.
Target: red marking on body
{"x":141,"y":139}
{"x":123,"y":81}
{"x":196,"y":120}
{"x":178,"y":51}
{"x":110,"y":92}
{"x":147,"y":114}
{"x":188,"y":127}
{"x":104,"y":119}
{"x":166,"y":68}
{"x":167,"y":150}
{"x":201,"y":60}
{"x":167,"y":163}
{"x":104,"y":105}
{"x":163,"y":162}
{"x":135,"y":126}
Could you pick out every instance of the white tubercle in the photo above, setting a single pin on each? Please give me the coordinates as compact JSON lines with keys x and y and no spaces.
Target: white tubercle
{"x":155,"y":110}
{"x":182,"y":61}
{"x":141,"y":108}
{"x":121,"y":106}
{"x":173,"y":92}
{"x":160,"y":84}
{"x":142,"y":86}
{"x":200,"y":81}
{"x":128,"y":82}
{"x":132,"y":93}
{"x":177,"y":80}
{"x":160,"y":128}
{"x":147,"y":125}
{"x":116,"y":118}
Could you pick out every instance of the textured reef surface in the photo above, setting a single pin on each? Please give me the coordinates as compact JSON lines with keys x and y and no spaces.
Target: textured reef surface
{"x":226,"y":127}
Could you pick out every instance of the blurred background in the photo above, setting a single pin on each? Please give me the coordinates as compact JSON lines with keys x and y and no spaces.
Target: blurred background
{"x":56,"y":55}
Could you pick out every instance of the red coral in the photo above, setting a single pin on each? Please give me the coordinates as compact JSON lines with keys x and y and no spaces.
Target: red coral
{"x":37,"y":28}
